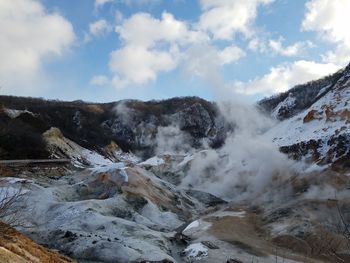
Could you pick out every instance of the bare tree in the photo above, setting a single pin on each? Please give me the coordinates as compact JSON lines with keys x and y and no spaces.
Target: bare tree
{"x":11,"y":204}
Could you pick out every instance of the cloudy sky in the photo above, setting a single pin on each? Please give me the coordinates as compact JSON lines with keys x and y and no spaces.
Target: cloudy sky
{"x":105,"y":50}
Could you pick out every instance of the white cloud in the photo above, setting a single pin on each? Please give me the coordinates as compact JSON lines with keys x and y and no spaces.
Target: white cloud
{"x":140,"y":2}
{"x":284,"y":77}
{"x":150,"y":46}
{"x":275,"y":46}
{"x":230,"y":54}
{"x":144,"y":30}
{"x":257,"y":45}
{"x":99,"y":80}
{"x":224,"y":18}
{"x":341,"y":55}
{"x":204,"y":59}
{"x":295,"y":49}
{"x":100,"y":3}
{"x":29,"y":34}
{"x":100,"y":27}
{"x":331,"y":19}
{"x":138,"y":65}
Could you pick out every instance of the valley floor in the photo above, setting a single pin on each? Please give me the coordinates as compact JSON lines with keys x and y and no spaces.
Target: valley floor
{"x":128,"y":212}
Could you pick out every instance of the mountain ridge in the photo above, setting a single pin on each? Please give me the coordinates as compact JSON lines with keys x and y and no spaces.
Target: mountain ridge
{"x":95,"y":125}
{"x":316,"y":89}
{"x":135,"y":125}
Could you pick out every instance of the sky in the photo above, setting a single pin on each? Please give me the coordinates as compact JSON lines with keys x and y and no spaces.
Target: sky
{"x":107,"y":50}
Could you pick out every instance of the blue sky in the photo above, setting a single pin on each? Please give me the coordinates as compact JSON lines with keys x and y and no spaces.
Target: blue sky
{"x":106,"y":50}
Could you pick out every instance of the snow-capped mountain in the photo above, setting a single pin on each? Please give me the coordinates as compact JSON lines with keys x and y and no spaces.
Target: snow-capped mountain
{"x":314,"y":120}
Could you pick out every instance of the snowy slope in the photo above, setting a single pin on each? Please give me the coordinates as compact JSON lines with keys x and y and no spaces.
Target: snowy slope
{"x":323,"y":122}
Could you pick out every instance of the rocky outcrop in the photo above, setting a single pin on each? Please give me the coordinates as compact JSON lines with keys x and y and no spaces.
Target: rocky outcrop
{"x":339,"y":151}
{"x":298,"y":151}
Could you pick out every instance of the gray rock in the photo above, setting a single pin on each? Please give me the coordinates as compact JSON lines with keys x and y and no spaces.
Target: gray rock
{"x":206,"y":198}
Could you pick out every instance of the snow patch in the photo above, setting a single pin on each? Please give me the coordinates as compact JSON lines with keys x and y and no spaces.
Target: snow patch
{"x":12,"y":113}
{"x":196,"y":251}
{"x":95,"y":159}
{"x":107,"y":168}
{"x":120,"y":167}
{"x":194,"y":224}
{"x":154,"y":161}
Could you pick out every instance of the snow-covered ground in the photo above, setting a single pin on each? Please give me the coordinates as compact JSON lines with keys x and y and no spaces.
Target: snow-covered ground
{"x":326,"y":118}
{"x":295,"y":130}
{"x":154,"y":161}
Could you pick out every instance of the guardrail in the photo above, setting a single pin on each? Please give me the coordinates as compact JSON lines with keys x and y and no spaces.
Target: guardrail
{"x":34,"y":161}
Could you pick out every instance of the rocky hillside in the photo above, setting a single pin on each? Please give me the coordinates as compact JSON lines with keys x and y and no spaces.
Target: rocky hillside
{"x":314,"y":120}
{"x":300,"y":97}
{"x":133,"y":125}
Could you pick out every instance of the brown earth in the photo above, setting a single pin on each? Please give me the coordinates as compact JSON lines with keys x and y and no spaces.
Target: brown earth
{"x":17,"y":248}
{"x":312,"y":115}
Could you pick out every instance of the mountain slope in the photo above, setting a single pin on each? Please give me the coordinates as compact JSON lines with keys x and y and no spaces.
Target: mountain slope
{"x":132,"y":125}
{"x":316,"y":127}
{"x":300,"y":97}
